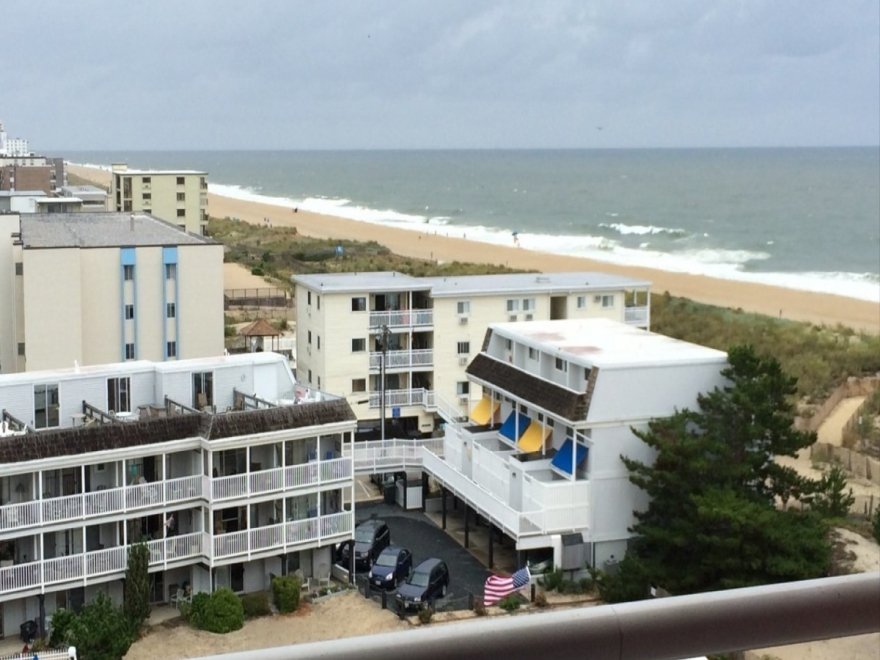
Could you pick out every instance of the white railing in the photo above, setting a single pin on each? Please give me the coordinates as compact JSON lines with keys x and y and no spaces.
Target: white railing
{"x":636,"y":315}
{"x":282,"y":535}
{"x":279,"y":479}
{"x":390,"y":455}
{"x":423,"y":357}
{"x":99,"y":503}
{"x":399,"y":398}
{"x":490,"y":470}
{"x":403,"y":318}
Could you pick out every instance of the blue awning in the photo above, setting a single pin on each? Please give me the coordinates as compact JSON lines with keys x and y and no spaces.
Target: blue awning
{"x":514,"y":426}
{"x":562,"y":460}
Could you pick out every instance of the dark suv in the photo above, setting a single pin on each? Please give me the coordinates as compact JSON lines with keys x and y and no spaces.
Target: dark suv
{"x":429,"y":581}
{"x":392,"y":566}
{"x":370,"y":538}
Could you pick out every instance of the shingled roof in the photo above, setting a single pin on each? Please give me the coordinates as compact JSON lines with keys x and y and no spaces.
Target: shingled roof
{"x":101,"y":437}
{"x":543,"y":394}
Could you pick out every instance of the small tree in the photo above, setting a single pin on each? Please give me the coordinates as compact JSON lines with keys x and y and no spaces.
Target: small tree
{"x":100,"y":631}
{"x":224,"y":612}
{"x":286,"y":591}
{"x":832,"y":499}
{"x":136,"y":601}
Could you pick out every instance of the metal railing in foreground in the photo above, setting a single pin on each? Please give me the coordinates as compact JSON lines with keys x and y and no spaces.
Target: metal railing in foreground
{"x":677,"y":627}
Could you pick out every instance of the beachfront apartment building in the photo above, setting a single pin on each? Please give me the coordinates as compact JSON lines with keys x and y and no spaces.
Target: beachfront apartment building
{"x":421,"y":332}
{"x":95,"y":288}
{"x":97,"y":458}
{"x":539,"y":457}
{"x":176,"y":196}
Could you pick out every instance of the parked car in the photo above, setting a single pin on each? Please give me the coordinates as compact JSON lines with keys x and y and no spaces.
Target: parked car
{"x":392,"y":566}
{"x":370,"y":538}
{"x":429,"y":581}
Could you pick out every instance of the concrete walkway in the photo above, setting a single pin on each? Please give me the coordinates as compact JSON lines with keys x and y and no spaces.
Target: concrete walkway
{"x":831,"y":430}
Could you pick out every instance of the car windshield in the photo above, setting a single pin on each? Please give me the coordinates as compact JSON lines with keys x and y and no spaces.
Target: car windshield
{"x":419,"y":579}
{"x":364,"y":535}
{"x":386,"y":559}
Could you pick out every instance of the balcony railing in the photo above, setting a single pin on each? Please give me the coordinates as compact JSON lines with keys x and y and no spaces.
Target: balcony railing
{"x":280,"y":479}
{"x":403,"y":318}
{"x":636,"y":315}
{"x":391,"y":455}
{"x":99,"y":503}
{"x":281,"y":536}
{"x":400,"y":398}
{"x":402,"y":359}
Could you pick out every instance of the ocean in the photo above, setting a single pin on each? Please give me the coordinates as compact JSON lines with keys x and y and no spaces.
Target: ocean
{"x":806,"y":218}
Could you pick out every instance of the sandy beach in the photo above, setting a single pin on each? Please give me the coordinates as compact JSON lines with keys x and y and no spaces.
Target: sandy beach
{"x":771,"y":300}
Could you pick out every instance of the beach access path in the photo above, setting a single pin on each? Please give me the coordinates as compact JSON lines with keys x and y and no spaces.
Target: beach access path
{"x":776,"y":301}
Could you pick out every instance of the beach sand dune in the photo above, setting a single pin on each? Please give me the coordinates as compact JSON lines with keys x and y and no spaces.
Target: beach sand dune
{"x":792,"y":304}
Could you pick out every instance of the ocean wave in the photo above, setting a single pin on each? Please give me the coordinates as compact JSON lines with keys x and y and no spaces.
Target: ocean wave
{"x":713,"y":262}
{"x":640,"y":230}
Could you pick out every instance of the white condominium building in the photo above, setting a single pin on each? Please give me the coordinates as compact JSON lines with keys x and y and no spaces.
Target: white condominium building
{"x":97,"y":458}
{"x":176,"y":196}
{"x":94,"y":288}
{"x":539,"y":458}
{"x":422,"y":332}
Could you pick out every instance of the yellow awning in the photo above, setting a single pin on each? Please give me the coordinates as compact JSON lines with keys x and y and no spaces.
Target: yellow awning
{"x":484,"y":411}
{"x":534,"y":437}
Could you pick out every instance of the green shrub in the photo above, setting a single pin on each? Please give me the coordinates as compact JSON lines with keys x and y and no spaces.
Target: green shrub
{"x":286,"y":592}
{"x":877,"y":525}
{"x":224,"y":612}
{"x":256,"y":604}
{"x":510,"y":603}
{"x":425,"y":614}
{"x":195,"y":612}
{"x":61,"y":623}
{"x":552,"y":580}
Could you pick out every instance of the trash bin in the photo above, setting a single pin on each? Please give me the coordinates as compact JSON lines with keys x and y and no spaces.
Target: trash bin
{"x":28,"y":631}
{"x":389,"y":489}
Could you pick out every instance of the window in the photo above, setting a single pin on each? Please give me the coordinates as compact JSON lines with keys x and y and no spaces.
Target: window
{"x":128,"y":273}
{"x":581,"y":302}
{"x":359,"y":385}
{"x":147,"y":179}
{"x":21,"y":348}
{"x":607,"y":301}
{"x":203,"y":389}
{"x":358,"y":345}
{"x":530,"y":317}
{"x":513,"y":305}
{"x":319,"y":302}
{"x":463,"y":307}
{"x":310,"y":376}
{"x":129,"y":312}
{"x":171,"y":349}
{"x":118,"y":394}
{"x":170,"y":271}
{"x":148,"y":197}
{"x":46,"y":408}
{"x":533,"y":353}
{"x":463,"y":387}
{"x":180,"y":181}
{"x":319,"y":342}
{"x":528,"y":304}
{"x":171,"y":310}
{"x":181,"y":197}
{"x":181,"y":213}
{"x":359,"y":304}
{"x":308,"y":297}
{"x":508,"y":344}
{"x":309,"y":338}
{"x":129,"y":351}
{"x":19,"y":268}
{"x":464,"y":347}
{"x":561,"y":365}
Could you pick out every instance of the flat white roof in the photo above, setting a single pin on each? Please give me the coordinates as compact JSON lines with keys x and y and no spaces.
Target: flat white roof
{"x":606,"y":344}
{"x":467,"y":285}
{"x":158,"y":172}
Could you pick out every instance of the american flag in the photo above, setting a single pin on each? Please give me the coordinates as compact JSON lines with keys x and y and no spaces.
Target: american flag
{"x":497,"y":587}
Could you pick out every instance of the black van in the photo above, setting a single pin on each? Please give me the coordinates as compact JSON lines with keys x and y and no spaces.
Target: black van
{"x":429,"y":581}
{"x":370,"y":538}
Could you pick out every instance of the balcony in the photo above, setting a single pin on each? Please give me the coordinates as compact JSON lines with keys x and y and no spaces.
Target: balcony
{"x":280,"y":479}
{"x":390,"y":455}
{"x":405,"y":359}
{"x":402,"y":398}
{"x":637,"y":316}
{"x":283,"y":537}
{"x":401,"y":319}
{"x":99,"y":503}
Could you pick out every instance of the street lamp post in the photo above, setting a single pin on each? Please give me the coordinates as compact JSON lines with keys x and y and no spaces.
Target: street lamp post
{"x":385,"y":333}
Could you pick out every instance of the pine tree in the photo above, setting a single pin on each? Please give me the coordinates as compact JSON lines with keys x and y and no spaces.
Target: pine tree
{"x":136,"y":603}
{"x":713,"y":521}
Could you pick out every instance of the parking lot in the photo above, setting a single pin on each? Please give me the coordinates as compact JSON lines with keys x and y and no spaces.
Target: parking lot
{"x":414,"y":530}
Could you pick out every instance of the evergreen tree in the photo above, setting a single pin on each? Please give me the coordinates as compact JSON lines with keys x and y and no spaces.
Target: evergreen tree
{"x":712,"y":522}
{"x":136,"y":603}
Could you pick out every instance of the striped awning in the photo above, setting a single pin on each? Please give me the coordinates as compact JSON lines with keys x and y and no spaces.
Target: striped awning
{"x":534,"y":437}
{"x":484,"y":412}
{"x":514,"y":426}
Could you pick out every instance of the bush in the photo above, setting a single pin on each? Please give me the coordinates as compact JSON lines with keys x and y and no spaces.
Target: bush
{"x":541,"y":600}
{"x":877,"y":525}
{"x":286,"y":592}
{"x":224,"y":612}
{"x":425,"y":614}
{"x":480,"y":608}
{"x":552,"y":580}
{"x":61,"y":623}
{"x":510,"y":603}
{"x":255,"y":605}
{"x":195,"y":612}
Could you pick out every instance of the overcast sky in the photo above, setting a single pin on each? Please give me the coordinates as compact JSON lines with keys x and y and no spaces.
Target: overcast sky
{"x":215,"y":74}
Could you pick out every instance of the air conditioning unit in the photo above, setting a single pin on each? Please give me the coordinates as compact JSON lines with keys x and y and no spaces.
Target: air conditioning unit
{"x":462,"y":360}
{"x":462,"y":320}
{"x":597,"y":299}
{"x":463,"y":398}
{"x":512,"y":318}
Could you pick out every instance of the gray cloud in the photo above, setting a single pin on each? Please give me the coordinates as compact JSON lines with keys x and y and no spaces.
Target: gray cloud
{"x":222,"y":74}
